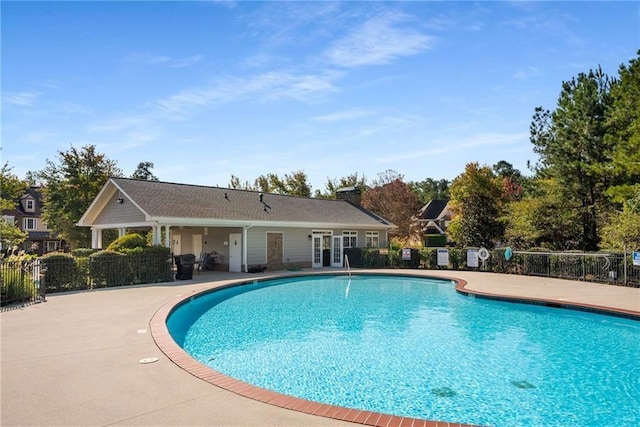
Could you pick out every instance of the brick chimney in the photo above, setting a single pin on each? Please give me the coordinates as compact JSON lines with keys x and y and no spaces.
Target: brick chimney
{"x":352,"y":195}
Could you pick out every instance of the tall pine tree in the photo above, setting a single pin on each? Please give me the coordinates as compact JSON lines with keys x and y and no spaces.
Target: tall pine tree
{"x":573,"y":148}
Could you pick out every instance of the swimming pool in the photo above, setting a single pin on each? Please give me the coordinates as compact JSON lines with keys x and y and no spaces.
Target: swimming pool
{"x":414,"y":347}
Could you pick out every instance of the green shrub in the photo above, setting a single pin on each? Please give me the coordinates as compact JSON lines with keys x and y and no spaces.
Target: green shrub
{"x":83,"y":252}
{"x":17,"y":283}
{"x":435,"y":240}
{"x":457,"y":258}
{"x":61,"y":272}
{"x":109,"y":268}
{"x":130,"y":241}
{"x":153,"y":265}
{"x":429,"y":257}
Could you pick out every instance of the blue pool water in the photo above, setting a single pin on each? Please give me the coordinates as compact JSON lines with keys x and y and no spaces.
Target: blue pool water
{"x":414,"y":347}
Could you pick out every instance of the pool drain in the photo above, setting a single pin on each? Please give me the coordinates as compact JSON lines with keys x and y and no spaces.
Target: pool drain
{"x":523,"y":384}
{"x":443,"y":392}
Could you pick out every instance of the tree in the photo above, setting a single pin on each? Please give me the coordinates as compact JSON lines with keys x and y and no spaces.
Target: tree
{"x":387,"y":177}
{"x":395,"y":202}
{"x":294,"y":184}
{"x":623,"y":229}
{"x":623,"y":121}
{"x":235,"y":183}
{"x":71,"y":184}
{"x":572,"y":146}
{"x":10,"y":235}
{"x":297,"y":184}
{"x":143,"y":171}
{"x":11,"y":188}
{"x":547,"y":218}
{"x":512,"y":179}
{"x":430,"y":189}
{"x":477,"y":200}
{"x":332,"y":185}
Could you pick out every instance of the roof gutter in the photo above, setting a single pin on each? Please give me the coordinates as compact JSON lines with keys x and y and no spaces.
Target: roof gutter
{"x":244,"y":247}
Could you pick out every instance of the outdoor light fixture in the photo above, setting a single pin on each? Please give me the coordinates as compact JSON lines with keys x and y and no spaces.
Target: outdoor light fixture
{"x":120,"y":200}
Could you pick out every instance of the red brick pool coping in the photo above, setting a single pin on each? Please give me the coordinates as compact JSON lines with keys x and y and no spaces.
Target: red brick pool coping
{"x":177,"y":355}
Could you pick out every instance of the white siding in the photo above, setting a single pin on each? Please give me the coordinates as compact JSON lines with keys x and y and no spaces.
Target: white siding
{"x":116,"y":213}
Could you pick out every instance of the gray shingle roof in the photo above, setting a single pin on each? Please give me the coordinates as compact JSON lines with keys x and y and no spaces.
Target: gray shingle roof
{"x":433,"y":209}
{"x":170,"y":200}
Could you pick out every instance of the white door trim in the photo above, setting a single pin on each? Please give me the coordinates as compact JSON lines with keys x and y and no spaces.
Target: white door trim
{"x":336,"y":251}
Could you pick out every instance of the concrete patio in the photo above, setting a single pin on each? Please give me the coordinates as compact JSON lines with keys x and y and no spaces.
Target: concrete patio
{"x":74,"y":360}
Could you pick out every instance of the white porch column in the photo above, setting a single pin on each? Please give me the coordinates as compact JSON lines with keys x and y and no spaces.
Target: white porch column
{"x":244,"y":249}
{"x":167,"y":236}
{"x":122,"y":231}
{"x":96,"y":238}
{"x":156,"y":234}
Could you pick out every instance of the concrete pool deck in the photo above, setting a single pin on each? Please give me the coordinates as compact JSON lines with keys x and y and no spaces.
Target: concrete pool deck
{"x":74,"y":360}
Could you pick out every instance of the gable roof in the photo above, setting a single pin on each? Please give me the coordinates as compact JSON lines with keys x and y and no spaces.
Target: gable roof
{"x":164,"y":201}
{"x":433,"y":209}
{"x":33,"y":193}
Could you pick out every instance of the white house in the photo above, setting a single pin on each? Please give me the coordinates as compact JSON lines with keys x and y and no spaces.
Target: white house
{"x":242,"y":228}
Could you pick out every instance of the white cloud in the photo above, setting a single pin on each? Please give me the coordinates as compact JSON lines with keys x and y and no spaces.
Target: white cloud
{"x":267,"y":86}
{"x":186,"y":62}
{"x":165,"y":60}
{"x":378,"y":41}
{"x":527,"y":72}
{"x":340,"y":116}
{"x":450,"y":146}
{"x":22,"y":99}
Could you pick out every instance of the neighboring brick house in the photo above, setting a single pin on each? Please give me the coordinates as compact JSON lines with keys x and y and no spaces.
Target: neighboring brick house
{"x":434,"y":217}
{"x":27,"y":216}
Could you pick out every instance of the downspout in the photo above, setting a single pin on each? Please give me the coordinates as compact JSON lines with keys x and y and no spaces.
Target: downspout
{"x":244,"y":247}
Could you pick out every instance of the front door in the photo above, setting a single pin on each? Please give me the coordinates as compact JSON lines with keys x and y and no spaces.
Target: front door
{"x":177,"y":244}
{"x":235,"y":252}
{"x":274,"y":250}
{"x":336,"y":251}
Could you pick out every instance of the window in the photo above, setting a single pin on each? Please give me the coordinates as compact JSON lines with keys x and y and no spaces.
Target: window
{"x":30,"y":224}
{"x":350,"y":239}
{"x":30,"y":205}
{"x":52,"y":245}
{"x":372,"y":239}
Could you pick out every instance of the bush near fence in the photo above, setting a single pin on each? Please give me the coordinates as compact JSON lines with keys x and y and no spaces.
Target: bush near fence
{"x":60,"y":272}
{"x":17,"y":285}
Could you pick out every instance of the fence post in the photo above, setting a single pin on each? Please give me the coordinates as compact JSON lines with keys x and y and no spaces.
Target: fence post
{"x":625,"y":264}
{"x":42,"y":286}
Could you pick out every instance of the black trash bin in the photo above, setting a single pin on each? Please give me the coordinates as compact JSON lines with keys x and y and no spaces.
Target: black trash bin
{"x":184,"y":266}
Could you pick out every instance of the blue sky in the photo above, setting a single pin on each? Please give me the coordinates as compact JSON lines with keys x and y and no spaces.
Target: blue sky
{"x":209,"y":89}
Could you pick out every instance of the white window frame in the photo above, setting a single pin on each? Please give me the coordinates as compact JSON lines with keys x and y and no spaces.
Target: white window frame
{"x":49,"y":243}
{"x":372,"y":239}
{"x":34,"y":225}
{"x":349,"y":237}
{"x":30,"y":205}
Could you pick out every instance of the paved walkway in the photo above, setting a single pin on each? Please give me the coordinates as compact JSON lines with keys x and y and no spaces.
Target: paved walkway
{"x":74,"y":360}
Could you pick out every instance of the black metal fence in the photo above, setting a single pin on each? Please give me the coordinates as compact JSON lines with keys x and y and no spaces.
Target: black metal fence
{"x":29,"y":281}
{"x":611,"y":268}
